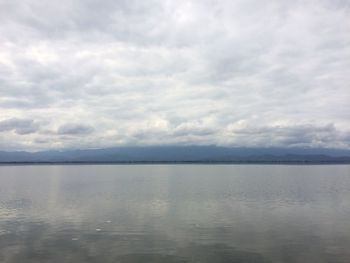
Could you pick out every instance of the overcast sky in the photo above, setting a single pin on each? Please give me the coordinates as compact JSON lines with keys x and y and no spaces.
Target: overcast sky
{"x":102,"y":73}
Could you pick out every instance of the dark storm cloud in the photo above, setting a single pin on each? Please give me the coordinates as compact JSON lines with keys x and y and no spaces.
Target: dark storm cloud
{"x":175,"y":72}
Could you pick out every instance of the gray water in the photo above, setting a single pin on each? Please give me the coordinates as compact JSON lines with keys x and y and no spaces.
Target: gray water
{"x":175,"y":213}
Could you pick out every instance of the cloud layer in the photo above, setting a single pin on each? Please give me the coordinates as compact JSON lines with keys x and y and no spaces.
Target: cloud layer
{"x":82,"y":74}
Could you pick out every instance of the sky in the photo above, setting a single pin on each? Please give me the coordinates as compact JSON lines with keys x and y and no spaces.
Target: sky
{"x":104,"y":73}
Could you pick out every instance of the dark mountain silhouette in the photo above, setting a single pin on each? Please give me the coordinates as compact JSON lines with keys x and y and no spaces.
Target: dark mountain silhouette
{"x":202,"y":154}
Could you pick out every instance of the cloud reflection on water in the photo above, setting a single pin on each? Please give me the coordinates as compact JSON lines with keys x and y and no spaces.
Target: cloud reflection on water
{"x":174,"y":213}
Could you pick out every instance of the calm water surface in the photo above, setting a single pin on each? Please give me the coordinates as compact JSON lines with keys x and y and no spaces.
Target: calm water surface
{"x":175,"y":213}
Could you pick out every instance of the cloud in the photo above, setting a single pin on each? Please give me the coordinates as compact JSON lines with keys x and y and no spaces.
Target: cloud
{"x":19,"y":126}
{"x":181,"y":72}
{"x":74,"y":129}
{"x":290,"y":136}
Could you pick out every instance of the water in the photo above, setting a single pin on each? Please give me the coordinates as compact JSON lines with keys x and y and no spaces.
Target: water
{"x":175,"y":213}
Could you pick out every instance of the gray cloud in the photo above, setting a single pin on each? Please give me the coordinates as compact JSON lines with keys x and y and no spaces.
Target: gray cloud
{"x":184,"y":72}
{"x":74,"y":129}
{"x":291,"y":136}
{"x":19,"y":126}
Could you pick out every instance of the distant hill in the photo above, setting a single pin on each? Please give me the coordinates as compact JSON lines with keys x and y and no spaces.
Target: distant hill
{"x":185,"y":154}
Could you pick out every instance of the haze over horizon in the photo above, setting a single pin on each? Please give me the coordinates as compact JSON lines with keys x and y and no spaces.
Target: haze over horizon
{"x":244,"y":73}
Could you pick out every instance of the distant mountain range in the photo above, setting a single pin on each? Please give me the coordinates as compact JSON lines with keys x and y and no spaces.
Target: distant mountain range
{"x":180,"y":154}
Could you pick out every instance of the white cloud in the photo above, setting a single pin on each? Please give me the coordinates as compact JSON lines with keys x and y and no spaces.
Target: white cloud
{"x":184,"y":72}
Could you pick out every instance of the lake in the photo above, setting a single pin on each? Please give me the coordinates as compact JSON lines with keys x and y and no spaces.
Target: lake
{"x":174,"y":213}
